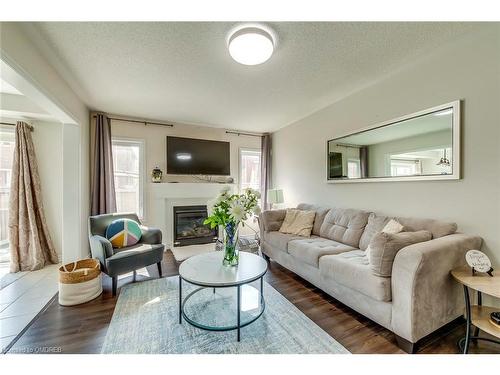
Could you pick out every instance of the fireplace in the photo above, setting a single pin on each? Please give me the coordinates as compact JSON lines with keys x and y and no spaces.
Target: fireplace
{"x":189,"y":228}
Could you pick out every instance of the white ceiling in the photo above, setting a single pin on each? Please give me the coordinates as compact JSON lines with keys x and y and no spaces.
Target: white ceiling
{"x":7,"y":88}
{"x":16,"y":106}
{"x":182,"y":72}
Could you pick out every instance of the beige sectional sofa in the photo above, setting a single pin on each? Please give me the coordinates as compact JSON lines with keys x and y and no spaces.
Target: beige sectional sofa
{"x":418,"y":298}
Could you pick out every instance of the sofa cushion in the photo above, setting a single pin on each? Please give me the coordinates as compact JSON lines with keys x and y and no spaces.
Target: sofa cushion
{"x":123,"y":232}
{"x":309,"y":250}
{"x":375,"y":225}
{"x":320,"y":215}
{"x":272,"y":219}
{"x":392,"y":227}
{"x":384,"y":247}
{"x":351,"y":269}
{"x":298,"y":222}
{"x":344,"y":225}
{"x":436,"y":227}
{"x":279,"y":240}
{"x":134,"y":257}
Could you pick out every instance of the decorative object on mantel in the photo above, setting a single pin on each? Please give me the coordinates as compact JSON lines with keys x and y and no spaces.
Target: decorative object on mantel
{"x":229,"y":210}
{"x":156,"y":175}
{"x":479,"y":262}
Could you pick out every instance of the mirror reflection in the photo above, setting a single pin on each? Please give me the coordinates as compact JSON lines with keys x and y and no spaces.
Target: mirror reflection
{"x":419,"y":146}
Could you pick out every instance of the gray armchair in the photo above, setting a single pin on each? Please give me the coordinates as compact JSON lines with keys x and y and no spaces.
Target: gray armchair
{"x":114,"y":262}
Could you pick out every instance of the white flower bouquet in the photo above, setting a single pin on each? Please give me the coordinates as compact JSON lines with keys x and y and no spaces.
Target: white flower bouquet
{"x":228,"y":211}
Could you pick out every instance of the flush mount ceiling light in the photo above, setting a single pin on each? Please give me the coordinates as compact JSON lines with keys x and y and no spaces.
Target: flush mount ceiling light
{"x":251,"y":45}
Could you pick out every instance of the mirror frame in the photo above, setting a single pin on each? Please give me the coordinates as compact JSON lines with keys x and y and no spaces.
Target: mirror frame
{"x":456,"y":169}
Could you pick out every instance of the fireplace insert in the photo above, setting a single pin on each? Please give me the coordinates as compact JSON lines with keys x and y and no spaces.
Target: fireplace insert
{"x":189,"y":228}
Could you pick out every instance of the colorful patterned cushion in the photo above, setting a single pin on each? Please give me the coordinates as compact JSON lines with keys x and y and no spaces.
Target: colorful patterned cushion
{"x":123,"y":233}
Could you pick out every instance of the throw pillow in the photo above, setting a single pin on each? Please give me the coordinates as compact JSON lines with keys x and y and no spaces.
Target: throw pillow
{"x":385,"y":246}
{"x":391,"y":227}
{"x":298,"y":222}
{"x":123,"y":233}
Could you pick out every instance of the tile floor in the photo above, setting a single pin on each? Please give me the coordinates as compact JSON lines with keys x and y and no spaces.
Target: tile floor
{"x":22,"y":296}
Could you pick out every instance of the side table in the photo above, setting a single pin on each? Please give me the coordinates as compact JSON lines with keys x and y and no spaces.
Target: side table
{"x":478,"y":315}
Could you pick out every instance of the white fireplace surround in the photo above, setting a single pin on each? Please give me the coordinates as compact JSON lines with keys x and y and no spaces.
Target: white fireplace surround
{"x":164,"y":196}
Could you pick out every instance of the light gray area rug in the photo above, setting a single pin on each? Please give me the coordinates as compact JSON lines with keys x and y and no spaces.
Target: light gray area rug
{"x":145,"y":320}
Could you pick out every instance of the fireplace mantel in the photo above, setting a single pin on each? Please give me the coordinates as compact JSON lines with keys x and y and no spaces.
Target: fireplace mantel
{"x":164,"y":196}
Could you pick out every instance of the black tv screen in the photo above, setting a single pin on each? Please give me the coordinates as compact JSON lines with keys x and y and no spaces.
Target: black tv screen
{"x":197,"y":156}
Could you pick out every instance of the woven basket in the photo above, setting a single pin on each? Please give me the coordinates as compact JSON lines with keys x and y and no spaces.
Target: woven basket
{"x":79,"y":282}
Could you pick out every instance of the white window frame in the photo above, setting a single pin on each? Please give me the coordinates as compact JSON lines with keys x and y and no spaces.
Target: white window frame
{"x":358,"y":164}
{"x":413,"y":162}
{"x":240,"y":163}
{"x":142,"y":170}
{"x":7,"y":129}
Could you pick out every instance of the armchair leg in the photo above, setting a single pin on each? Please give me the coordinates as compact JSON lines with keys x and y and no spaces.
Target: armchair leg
{"x":114,"y":284}
{"x":159,"y":268}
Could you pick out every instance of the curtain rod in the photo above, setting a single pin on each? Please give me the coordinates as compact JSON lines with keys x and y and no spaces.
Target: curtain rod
{"x":30,"y":127}
{"x":139,"y":121}
{"x":346,"y":145}
{"x":241,"y":133}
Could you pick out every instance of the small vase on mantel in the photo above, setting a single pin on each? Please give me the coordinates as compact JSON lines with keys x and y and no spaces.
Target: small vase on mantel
{"x":231,"y":253}
{"x":156,"y":175}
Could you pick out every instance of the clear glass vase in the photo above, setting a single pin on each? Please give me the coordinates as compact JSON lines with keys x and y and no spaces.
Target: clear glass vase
{"x":231,"y":253}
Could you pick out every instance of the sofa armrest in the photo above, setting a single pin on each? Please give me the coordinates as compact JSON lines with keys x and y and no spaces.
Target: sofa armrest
{"x":271,"y":220}
{"x":424,"y":295}
{"x":151,"y":236}
{"x":100,"y":248}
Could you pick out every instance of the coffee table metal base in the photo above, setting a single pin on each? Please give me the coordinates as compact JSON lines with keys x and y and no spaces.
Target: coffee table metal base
{"x":239,"y":324}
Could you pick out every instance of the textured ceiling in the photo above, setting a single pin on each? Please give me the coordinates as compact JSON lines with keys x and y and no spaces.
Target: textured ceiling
{"x":182,"y":72}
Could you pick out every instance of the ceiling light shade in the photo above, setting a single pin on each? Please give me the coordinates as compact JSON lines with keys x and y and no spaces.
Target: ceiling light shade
{"x":251,"y":45}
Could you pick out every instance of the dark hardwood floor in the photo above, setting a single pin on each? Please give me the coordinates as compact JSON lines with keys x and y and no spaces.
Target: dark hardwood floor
{"x":82,"y":329}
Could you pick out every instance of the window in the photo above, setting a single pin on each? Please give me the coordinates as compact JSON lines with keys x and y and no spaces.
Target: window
{"x":128,"y":165}
{"x":353,"y":168}
{"x":400,"y":167}
{"x":7,"y":142}
{"x":249,"y":169}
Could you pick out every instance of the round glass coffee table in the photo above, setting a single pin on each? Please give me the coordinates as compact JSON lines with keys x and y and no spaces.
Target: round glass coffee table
{"x":224,"y":300}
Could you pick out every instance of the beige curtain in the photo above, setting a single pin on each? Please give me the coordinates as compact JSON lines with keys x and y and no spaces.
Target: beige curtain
{"x":103,"y":198}
{"x":265,"y":169}
{"x":30,"y":245}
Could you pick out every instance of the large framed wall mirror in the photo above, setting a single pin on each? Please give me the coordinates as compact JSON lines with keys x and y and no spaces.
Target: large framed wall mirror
{"x":420,"y":146}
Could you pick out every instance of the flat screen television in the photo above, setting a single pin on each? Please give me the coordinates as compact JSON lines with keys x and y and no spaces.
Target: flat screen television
{"x":197,"y":156}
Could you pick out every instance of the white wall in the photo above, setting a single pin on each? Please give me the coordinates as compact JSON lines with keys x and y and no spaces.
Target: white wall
{"x":54,"y":95}
{"x":155,"y":138}
{"x":379,"y":154}
{"x":468,"y":70}
{"x":47,"y":139}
